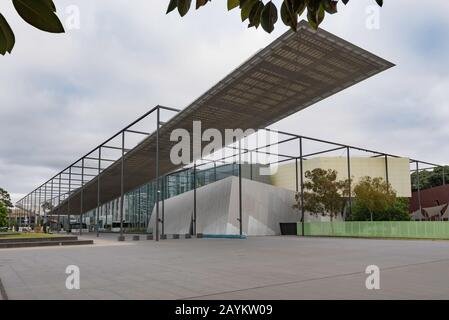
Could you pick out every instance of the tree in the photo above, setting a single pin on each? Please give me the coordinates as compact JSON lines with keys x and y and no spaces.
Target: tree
{"x":323,"y":194}
{"x":399,"y":211}
{"x":430,"y":179}
{"x":38,"y":13}
{"x":373,"y":196}
{"x":259,"y":12}
{"x":5,"y":198}
{"x":3,"y":215}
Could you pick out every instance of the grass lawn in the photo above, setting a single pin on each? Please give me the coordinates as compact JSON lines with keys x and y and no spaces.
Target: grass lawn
{"x":28,"y":235}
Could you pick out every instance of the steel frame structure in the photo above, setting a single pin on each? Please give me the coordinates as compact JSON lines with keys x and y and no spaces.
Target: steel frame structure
{"x":294,"y":72}
{"x":61,"y":187}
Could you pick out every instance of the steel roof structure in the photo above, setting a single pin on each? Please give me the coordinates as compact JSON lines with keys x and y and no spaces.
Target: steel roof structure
{"x":292,"y":73}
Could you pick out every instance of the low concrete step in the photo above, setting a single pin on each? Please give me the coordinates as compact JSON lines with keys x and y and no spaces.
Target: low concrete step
{"x":45,"y":244}
{"x":20,"y":240}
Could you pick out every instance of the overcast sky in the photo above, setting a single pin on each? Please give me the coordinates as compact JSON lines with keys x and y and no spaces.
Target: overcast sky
{"x":61,"y":95}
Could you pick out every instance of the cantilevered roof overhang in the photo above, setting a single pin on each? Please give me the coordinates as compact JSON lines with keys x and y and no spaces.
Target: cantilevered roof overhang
{"x":292,"y":73}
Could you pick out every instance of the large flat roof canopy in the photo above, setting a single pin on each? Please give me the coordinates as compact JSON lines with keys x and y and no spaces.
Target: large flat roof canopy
{"x":295,"y":71}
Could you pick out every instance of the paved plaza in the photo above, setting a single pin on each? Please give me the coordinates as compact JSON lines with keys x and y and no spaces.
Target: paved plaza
{"x":256,"y":268}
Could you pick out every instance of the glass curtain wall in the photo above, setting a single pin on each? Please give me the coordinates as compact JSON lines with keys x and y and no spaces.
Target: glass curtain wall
{"x":139,"y":203}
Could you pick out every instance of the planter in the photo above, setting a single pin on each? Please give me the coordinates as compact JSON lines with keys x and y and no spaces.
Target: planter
{"x":288,"y":228}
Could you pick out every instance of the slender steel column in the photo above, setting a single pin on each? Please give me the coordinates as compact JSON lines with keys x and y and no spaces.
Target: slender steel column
{"x":240,"y":189}
{"x":194,"y":199}
{"x":59,"y":204}
{"x":164,"y":183}
{"x":27,"y":205}
{"x":387,"y":179}
{"x":157,"y":176}
{"x":40,"y":200}
{"x":68,"y":200}
{"x":29,"y":199}
{"x":51,"y":196}
{"x":44,"y":208}
{"x":296,"y":175}
{"x":25,"y":211}
{"x":418,"y":186}
{"x":348,"y":154}
{"x":33,"y":205}
{"x":148,"y":213}
{"x":386,"y":172}
{"x":97,"y":227}
{"x":82,"y":197}
{"x":122,"y":187}
{"x":36,"y":213}
{"x":301,"y":166}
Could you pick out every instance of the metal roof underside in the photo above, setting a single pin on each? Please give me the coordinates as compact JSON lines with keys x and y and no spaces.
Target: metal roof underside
{"x":292,"y":73}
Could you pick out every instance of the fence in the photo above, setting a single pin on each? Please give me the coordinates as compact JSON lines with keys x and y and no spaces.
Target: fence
{"x":378,"y":229}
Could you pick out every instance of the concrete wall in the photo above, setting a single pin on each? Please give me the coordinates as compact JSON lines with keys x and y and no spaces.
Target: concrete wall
{"x":264,"y":207}
{"x":398,"y":171}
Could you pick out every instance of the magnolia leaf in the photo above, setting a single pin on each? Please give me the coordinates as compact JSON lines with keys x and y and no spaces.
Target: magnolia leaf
{"x":255,"y":15}
{"x":184,"y":7}
{"x":39,"y":14}
{"x":7,"y":39}
{"x":233,"y":4}
{"x":246,"y":8}
{"x":288,"y":15}
{"x":269,"y":17}
{"x":172,"y":6}
{"x":200,"y":3}
{"x":330,"y":6}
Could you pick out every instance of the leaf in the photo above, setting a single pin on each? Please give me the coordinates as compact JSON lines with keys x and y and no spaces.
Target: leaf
{"x":255,"y":15}
{"x":184,"y":7}
{"x":7,"y":39}
{"x":200,"y":3}
{"x":287,"y":16}
{"x":3,"y":43}
{"x":315,"y":13}
{"x":330,"y":6}
{"x":269,"y":17}
{"x":172,"y":6}
{"x":242,"y":3}
{"x":39,"y":15}
{"x":290,"y":10}
{"x":246,"y":8}
{"x":233,"y":4}
{"x":320,"y":14}
{"x":50,"y":4}
{"x":298,"y":6}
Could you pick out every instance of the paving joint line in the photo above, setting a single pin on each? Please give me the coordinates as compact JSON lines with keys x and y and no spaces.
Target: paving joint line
{"x":314,"y":279}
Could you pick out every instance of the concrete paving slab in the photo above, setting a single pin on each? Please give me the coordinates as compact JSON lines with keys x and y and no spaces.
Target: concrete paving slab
{"x":256,"y":268}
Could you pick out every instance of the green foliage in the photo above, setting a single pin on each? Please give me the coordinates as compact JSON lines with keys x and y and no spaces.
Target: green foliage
{"x":429,"y":179}
{"x":323,"y":194}
{"x":257,"y":12}
{"x":398,"y":211}
{"x":5,"y":198}
{"x":38,"y":13}
{"x":375,"y":200}
{"x":3,"y":215}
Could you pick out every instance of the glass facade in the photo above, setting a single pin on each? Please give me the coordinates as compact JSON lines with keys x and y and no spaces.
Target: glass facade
{"x":139,"y":203}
